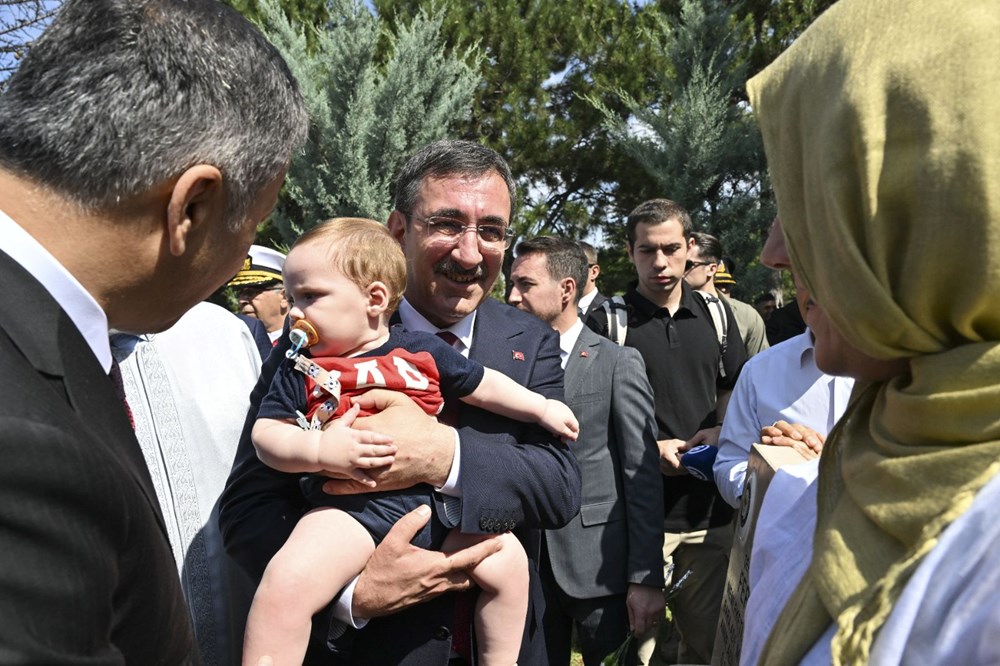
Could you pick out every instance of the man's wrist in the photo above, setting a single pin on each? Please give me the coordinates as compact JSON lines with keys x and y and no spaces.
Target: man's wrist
{"x":441,"y":466}
{"x":343,"y":607}
{"x":452,"y":485}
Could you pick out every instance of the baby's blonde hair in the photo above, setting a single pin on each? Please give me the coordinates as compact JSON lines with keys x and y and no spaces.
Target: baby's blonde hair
{"x":364,"y":252}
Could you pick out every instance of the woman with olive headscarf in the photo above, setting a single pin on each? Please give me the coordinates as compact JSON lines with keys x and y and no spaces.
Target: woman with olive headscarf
{"x":882,"y":131}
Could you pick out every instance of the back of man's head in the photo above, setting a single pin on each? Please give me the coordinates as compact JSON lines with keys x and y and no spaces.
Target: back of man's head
{"x":564,"y":258}
{"x":707,"y":246}
{"x":590,"y":251}
{"x":449,"y":157}
{"x":120,"y":96}
{"x":657,"y":211}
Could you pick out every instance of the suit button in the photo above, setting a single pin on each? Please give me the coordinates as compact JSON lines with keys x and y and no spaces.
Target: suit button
{"x":484,"y":524}
{"x":442,"y":633}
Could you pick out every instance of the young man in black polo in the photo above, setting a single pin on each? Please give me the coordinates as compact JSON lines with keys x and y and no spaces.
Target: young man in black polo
{"x":692,"y":377}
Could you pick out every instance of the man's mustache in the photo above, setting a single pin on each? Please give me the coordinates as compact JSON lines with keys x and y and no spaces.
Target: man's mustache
{"x":450,"y":266}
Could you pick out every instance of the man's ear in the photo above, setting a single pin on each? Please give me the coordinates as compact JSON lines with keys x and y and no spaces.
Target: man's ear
{"x":195,"y":199}
{"x":378,"y":298}
{"x":567,"y":290}
{"x":628,"y":251}
{"x":397,"y":226}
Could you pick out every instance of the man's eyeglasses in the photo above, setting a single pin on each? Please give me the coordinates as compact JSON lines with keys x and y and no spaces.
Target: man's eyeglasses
{"x":691,"y":265}
{"x":250,"y":293}
{"x":448,"y":229}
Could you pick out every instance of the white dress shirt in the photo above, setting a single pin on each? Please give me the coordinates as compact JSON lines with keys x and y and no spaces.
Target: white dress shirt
{"x":568,"y":340}
{"x":780,"y":383}
{"x":586,"y":300}
{"x":76,"y":301}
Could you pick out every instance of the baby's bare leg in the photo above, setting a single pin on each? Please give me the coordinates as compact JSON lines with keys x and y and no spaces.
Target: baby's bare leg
{"x":503,"y":603}
{"x":325,"y":550}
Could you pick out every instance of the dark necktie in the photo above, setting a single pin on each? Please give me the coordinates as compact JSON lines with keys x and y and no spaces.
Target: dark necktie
{"x":449,"y":413}
{"x":116,"y":377}
{"x":448,"y":337}
{"x":465,"y":602}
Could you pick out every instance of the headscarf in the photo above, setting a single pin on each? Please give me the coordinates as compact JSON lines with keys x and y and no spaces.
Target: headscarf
{"x":881,"y":125}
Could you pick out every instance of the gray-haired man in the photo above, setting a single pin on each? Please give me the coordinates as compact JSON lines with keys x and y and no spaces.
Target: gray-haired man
{"x":141,"y":142}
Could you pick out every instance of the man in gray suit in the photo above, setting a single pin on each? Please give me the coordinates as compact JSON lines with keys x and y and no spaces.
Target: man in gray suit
{"x":603,"y":572}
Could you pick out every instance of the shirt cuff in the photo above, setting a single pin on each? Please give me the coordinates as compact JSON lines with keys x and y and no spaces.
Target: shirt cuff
{"x":342,"y":607}
{"x":452,"y":485}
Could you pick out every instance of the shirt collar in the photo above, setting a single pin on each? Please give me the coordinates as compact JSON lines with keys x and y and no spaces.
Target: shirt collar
{"x":650,"y":309}
{"x":806,"y":351}
{"x":586,"y":300}
{"x":568,"y":340}
{"x":71,"y":296}
{"x":414,"y":321}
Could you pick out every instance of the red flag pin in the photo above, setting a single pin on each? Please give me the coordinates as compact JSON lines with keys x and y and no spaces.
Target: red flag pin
{"x":518,"y":356}
{"x":584,"y":354}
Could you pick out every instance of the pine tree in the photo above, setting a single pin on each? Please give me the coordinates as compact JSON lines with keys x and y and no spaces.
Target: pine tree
{"x":541,"y":57}
{"x":698,"y":139}
{"x":368,"y":112}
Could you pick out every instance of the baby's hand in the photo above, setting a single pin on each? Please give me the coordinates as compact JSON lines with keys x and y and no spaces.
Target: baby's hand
{"x":348,"y":451}
{"x":559,"y":420}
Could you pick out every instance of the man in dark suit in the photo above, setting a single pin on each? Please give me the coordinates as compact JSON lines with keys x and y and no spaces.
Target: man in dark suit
{"x":509,"y":476}
{"x":590,"y":297}
{"x":603,"y":572}
{"x":131,"y":184}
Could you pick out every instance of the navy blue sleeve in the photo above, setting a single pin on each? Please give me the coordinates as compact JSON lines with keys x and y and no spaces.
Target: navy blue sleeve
{"x":459,"y":376}
{"x":286,"y":394}
{"x":259,"y":505}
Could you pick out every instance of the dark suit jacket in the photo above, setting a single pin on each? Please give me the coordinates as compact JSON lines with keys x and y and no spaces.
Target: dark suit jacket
{"x":514,"y":477}
{"x":259,"y":333}
{"x":594,"y":305}
{"x":617,"y":538}
{"x":86,"y":570}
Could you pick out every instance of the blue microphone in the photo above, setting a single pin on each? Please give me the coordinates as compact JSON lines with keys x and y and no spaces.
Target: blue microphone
{"x":699,"y":460}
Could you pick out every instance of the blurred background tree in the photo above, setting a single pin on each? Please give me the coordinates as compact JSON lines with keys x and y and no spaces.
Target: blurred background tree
{"x":371,"y":106}
{"x":20,"y":22}
{"x":697,"y":137}
{"x":541,"y":58}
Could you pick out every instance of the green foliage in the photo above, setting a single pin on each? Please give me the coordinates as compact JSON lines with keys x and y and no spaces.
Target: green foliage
{"x":698,"y":139}
{"x":539,"y":58}
{"x":310,"y":13}
{"x":772,"y":25}
{"x":369,"y":112}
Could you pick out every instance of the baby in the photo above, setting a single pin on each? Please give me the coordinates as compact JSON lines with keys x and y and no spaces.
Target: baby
{"x":345,"y":278}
